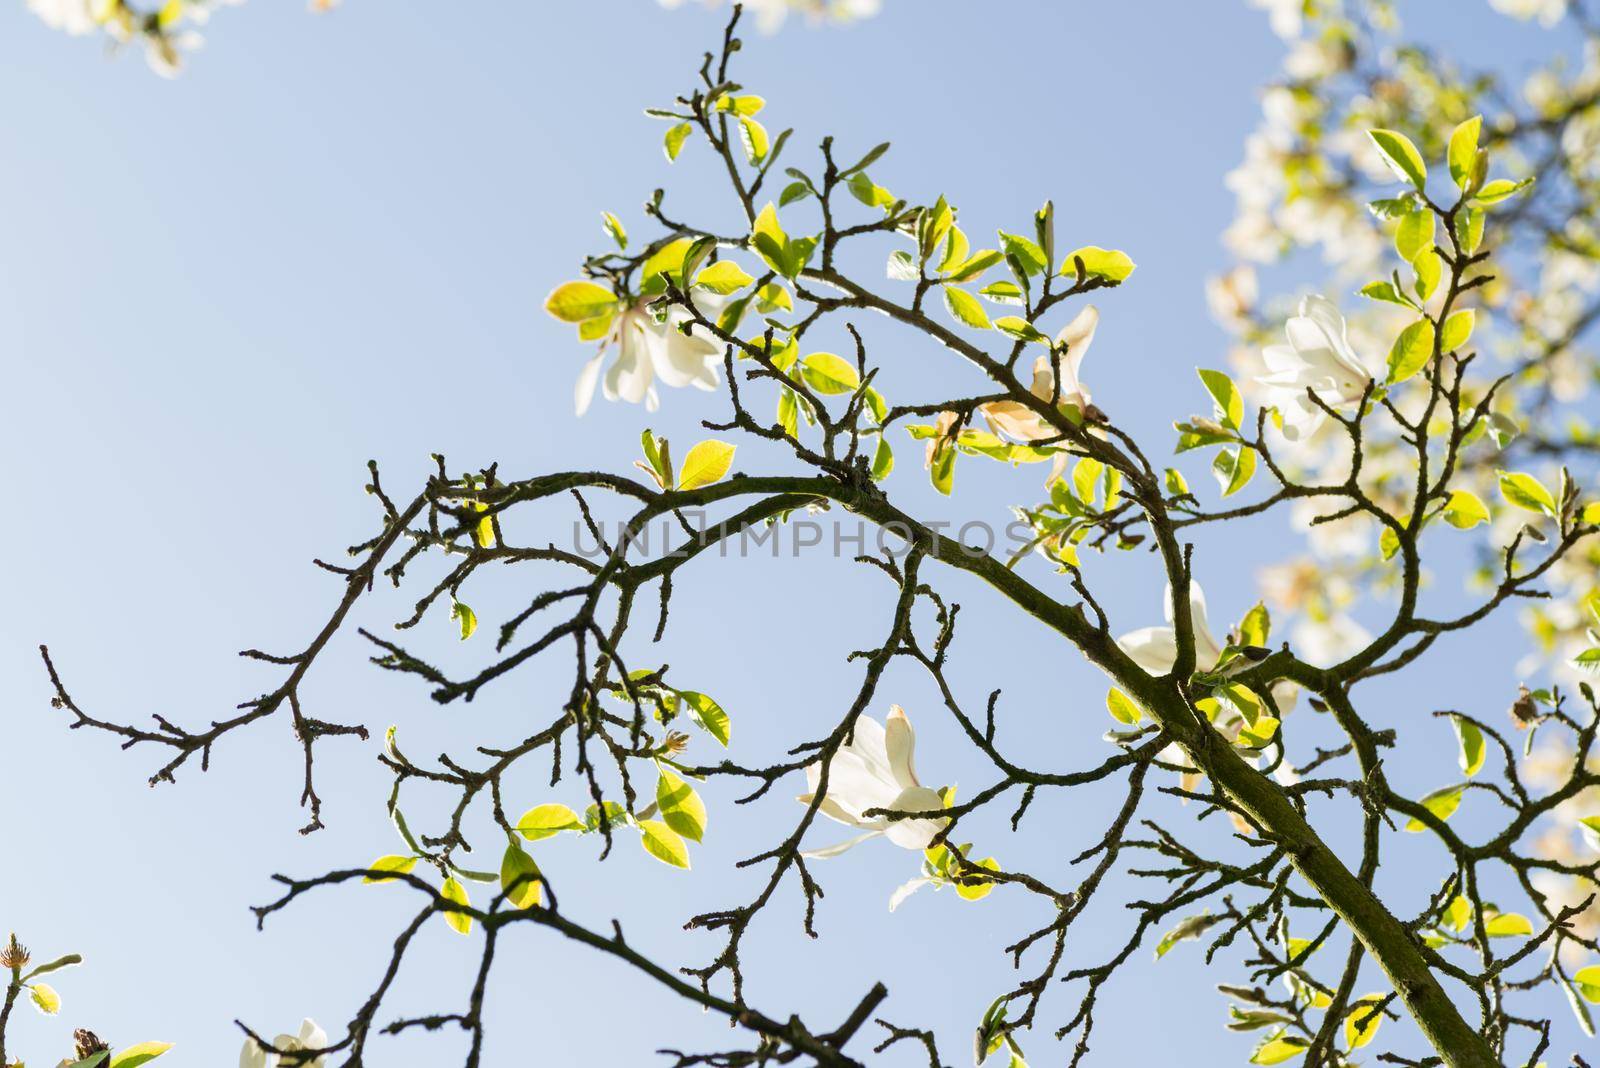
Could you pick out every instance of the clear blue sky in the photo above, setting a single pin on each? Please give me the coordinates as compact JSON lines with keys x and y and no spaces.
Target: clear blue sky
{"x":329,"y":241}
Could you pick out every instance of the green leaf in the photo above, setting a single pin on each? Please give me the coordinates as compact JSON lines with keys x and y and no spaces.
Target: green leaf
{"x":1463,"y":152}
{"x":681,"y":808}
{"x":708,"y":714}
{"x":466,"y":617}
{"x":1500,"y":189}
{"x":1122,"y":707}
{"x":706,"y":463}
{"x":613,"y":226}
{"x":1387,"y":292}
{"x":56,"y":965}
{"x":1430,"y":268}
{"x":773,"y":297}
{"x":1457,"y":330}
{"x":1469,"y":739}
{"x":1256,"y":626}
{"x":1469,"y":229}
{"x":1019,"y":328}
{"x":394,"y":862}
{"x":1029,"y":255}
{"x":519,"y":878}
{"x":1414,"y":234}
{"x":1002,"y":292}
{"x":754,"y":136}
{"x":1234,"y":468}
{"x":1401,"y":156}
{"x":573,"y":302}
{"x":882,"y":459}
{"x":828,"y":373}
{"x":666,"y":260}
{"x":547,"y":821}
{"x":1412,"y":350}
{"x":674,"y":139}
{"x":723,"y":277}
{"x":454,"y":892}
{"x":663,"y":843}
{"x":1177,"y":485}
{"x":964,"y":308}
{"x":1442,"y":803}
{"x":1464,"y":510}
{"x":143,"y":1053}
{"x":1229,"y":404}
{"x":1527,"y":493}
{"x":1110,"y":264}
{"x":1189,"y":928}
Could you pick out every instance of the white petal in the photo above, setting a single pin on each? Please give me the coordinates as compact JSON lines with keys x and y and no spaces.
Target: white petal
{"x":870,"y":744}
{"x":900,"y":743}
{"x":915,"y":834}
{"x":312,"y":1036}
{"x":588,"y":378}
{"x":1077,"y":335}
{"x":1153,"y":648}
{"x":629,"y":377}
{"x":834,"y":850}
{"x":905,"y":890}
{"x":252,"y":1056}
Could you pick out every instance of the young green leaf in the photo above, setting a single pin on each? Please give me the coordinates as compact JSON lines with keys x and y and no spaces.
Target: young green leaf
{"x":519,"y":877}
{"x":828,"y":373}
{"x":1442,"y":803}
{"x":453,"y":892}
{"x":1527,"y":493}
{"x":681,"y":807}
{"x":547,"y":821}
{"x":1111,"y":265}
{"x":964,"y":308}
{"x":1411,"y":351}
{"x":394,"y":863}
{"x":1470,"y":742}
{"x":706,"y":463}
{"x":663,"y":843}
{"x":1463,"y":152}
{"x":573,"y":302}
{"x":1401,"y":156}
{"x":1457,"y":330}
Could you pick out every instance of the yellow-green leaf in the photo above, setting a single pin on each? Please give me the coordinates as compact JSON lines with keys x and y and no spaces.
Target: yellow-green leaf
{"x":706,"y":463}
{"x":1430,"y":268}
{"x":1107,"y":263}
{"x":1279,"y":1048}
{"x":1463,"y":153}
{"x":613,"y":226}
{"x":964,"y":308}
{"x":973,"y":887}
{"x":1229,"y":404}
{"x":466,"y":617}
{"x":1506,"y":924}
{"x":394,"y":862}
{"x":1458,"y":914}
{"x":723,"y":277}
{"x":573,"y":302}
{"x":1588,"y":980}
{"x":754,"y":136}
{"x":827,"y":373}
{"x":1414,"y":234}
{"x":1361,"y":1021}
{"x":1122,"y":707}
{"x":133,"y":1056}
{"x":1401,"y":156}
{"x":454,"y":892}
{"x":547,"y":821}
{"x":1470,"y":742}
{"x":1411,"y":351}
{"x":1526,"y":492}
{"x":663,"y":843}
{"x":519,"y":877}
{"x":1442,"y":803}
{"x":1465,"y":510}
{"x":1457,"y":330}
{"x":45,"y":998}
{"x":681,"y":808}
{"x":676,"y":136}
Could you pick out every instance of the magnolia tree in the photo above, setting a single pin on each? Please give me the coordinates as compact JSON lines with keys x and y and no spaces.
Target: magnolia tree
{"x":1431,"y":413}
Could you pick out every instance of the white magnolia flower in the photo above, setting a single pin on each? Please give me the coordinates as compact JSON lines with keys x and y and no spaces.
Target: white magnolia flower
{"x":1548,"y":12}
{"x":1156,"y":648}
{"x":648,"y":350}
{"x":875,"y":770}
{"x":1285,"y":15}
{"x":310,"y":1037}
{"x":69,"y":16}
{"x":1016,"y":419}
{"x":1318,"y":357}
{"x":1232,"y":296}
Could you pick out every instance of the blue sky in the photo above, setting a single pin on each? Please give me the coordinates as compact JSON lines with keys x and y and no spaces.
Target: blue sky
{"x":330,"y":241}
